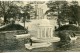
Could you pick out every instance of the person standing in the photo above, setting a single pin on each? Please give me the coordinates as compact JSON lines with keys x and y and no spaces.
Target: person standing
{"x":30,"y":41}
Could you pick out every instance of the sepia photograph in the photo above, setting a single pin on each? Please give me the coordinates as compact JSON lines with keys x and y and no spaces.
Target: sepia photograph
{"x":40,"y":26}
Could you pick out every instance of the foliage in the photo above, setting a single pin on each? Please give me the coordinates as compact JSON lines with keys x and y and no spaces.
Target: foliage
{"x":11,"y":9}
{"x":28,"y":10}
{"x":74,"y":11}
{"x":64,"y":9}
{"x":68,"y":27}
{"x":12,"y":27}
{"x":64,"y":36}
{"x":7,"y":8}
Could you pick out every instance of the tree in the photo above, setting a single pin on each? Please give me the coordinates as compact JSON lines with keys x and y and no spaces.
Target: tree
{"x":57,"y":6}
{"x":79,"y":15}
{"x":6,"y":8}
{"x":28,"y":10}
{"x":13,"y":11}
{"x":65,"y":10}
{"x":74,"y":7}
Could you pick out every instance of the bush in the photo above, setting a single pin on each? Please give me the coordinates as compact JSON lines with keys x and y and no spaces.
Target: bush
{"x":64,"y":36}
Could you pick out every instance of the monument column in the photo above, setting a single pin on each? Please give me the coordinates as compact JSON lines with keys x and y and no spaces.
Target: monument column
{"x":38,"y":33}
{"x":51,"y":32}
{"x":48,"y":32}
{"x":41,"y":33}
{"x":45,"y":29}
{"x":45,"y":32}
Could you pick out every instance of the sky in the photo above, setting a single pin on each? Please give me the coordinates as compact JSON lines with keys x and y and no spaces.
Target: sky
{"x":39,"y":0}
{"x":51,"y":0}
{"x":36,"y":0}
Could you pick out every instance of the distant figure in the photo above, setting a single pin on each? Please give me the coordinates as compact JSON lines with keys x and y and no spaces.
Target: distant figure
{"x":55,"y":27}
{"x":74,"y":35}
{"x":12,"y":20}
{"x":30,"y":40}
{"x":1,"y":21}
{"x":73,"y":38}
{"x":7,"y":21}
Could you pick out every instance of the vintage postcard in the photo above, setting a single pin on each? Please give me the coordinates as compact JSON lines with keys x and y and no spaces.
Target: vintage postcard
{"x":40,"y":26}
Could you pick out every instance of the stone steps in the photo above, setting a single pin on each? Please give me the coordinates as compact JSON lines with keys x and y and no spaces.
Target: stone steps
{"x":37,"y":45}
{"x":51,"y":39}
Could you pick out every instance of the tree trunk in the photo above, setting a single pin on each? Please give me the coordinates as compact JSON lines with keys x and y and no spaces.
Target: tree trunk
{"x":5,"y":18}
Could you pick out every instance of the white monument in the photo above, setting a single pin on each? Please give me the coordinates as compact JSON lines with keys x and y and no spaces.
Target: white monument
{"x":45,"y":29}
{"x":45,"y":35}
{"x":45,"y":32}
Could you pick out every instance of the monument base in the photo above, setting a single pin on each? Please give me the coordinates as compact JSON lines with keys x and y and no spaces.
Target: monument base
{"x":47,"y":39}
{"x":37,"y":45}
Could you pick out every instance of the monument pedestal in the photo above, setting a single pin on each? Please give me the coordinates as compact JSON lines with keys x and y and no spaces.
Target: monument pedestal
{"x":37,"y":45}
{"x":48,"y":39}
